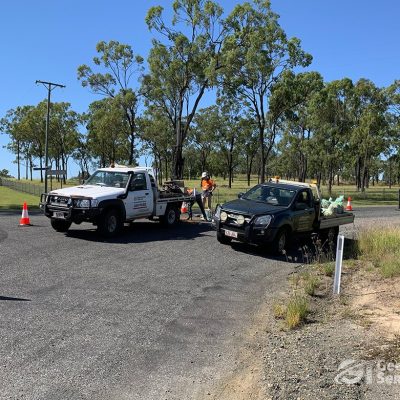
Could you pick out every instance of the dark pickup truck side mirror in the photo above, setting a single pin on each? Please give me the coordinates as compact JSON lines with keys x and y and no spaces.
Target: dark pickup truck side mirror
{"x":240,"y":195}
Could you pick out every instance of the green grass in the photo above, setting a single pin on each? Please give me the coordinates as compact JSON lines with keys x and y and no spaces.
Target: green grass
{"x":374,"y":195}
{"x":381,"y":246}
{"x":11,"y":199}
{"x":296,"y":311}
{"x":311,"y":283}
{"x":328,"y":268}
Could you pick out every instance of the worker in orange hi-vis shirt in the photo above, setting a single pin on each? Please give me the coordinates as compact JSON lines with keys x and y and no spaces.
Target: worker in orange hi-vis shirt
{"x":207,"y":186}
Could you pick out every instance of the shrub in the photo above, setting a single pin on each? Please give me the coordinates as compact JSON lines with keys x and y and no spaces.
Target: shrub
{"x":329,"y":268}
{"x":311,"y":282}
{"x":279,"y":311}
{"x":296,"y":311}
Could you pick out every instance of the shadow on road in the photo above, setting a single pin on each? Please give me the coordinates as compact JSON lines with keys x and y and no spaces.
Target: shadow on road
{"x":301,"y":251}
{"x":5,"y":298}
{"x":145,"y":231}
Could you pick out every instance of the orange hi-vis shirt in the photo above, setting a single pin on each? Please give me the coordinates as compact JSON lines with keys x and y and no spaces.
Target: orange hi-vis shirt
{"x":207,"y":184}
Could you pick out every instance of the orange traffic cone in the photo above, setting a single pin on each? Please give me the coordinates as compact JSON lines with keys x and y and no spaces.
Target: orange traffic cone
{"x":24,"y":221}
{"x":184,"y":208}
{"x":349,"y":207}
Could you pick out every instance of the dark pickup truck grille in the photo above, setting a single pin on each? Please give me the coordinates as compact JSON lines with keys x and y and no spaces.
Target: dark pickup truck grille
{"x":59,"y":201}
{"x":232,"y":218}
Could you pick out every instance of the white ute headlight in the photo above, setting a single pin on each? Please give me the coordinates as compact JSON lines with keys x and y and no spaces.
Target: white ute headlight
{"x":263,"y":221}
{"x":224,"y":216}
{"x":83,"y":203}
{"x":94,"y":202}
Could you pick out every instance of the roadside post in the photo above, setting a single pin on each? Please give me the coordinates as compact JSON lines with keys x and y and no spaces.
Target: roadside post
{"x":338,"y":265}
{"x":399,"y":200}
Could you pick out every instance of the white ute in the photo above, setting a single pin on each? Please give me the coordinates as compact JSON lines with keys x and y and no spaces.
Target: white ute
{"x":110,"y":197}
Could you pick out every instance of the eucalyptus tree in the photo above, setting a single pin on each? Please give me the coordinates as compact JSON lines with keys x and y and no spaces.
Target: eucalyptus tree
{"x":371,"y":134}
{"x":289,"y":106}
{"x":203,"y":134}
{"x":64,"y":134}
{"x":158,"y":138}
{"x":393,"y":116}
{"x":332,"y":123}
{"x":183,"y":64}
{"x":250,"y":147}
{"x":107,"y":130}
{"x":256,"y":53}
{"x":118,"y":66}
{"x":229,"y":136}
{"x":12,"y":124}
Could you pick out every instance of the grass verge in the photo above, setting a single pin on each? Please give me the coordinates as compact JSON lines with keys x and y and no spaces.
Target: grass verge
{"x":296,"y":311}
{"x":13,"y":200}
{"x":382,"y":248}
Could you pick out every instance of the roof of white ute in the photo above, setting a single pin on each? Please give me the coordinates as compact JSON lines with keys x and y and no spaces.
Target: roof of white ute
{"x":121,"y":168}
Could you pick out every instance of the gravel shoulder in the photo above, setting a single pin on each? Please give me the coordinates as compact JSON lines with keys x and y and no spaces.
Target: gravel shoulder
{"x":306,"y":363}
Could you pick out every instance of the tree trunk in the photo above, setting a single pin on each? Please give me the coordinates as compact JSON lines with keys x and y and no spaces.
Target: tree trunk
{"x":18,"y":161}
{"x":131,"y":148}
{"x":262,"y":155}
{"x":26,"y":166}
{"x":177,"y":158}
{"x":30,"y":167}
{"x":41,"y":166}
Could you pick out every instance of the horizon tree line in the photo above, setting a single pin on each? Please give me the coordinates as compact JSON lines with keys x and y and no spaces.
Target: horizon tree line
{"x":267,"y":119}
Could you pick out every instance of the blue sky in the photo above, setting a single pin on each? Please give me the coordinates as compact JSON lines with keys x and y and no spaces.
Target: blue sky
{"x":49,"y":39}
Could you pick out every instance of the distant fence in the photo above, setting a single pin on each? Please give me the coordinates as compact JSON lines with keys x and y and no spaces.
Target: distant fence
{"x":26,"y":187}
{"x":223,"y":194}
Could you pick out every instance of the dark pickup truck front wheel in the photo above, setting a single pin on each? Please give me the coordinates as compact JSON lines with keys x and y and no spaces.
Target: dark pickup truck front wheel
{"x":280,"y":241}
{"x":223,"y":239}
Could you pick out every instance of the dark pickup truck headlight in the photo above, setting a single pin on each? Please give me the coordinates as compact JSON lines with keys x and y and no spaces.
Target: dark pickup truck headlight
{"x":217,"y":213}
{"x":223,"y":216}
{"x":240,"y":220}
{"x":263,"y":221}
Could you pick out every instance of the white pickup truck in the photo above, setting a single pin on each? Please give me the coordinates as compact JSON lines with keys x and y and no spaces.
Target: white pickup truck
{"x":110,"y":197}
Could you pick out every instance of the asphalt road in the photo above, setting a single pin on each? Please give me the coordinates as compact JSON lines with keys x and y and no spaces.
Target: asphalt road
{"x":154,"y":314}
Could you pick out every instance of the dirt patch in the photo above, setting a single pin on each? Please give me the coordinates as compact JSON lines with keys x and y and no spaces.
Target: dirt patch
{"x":358,"y":328}
{"x":341,"y":335}
{"x":247,"y":380}
{"x":376,"y":301}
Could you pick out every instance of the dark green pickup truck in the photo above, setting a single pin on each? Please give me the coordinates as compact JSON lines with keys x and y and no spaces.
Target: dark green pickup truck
{"x":270,"y":213}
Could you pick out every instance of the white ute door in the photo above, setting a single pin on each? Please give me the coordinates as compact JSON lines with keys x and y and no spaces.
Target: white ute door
{"x":139,"y":202}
